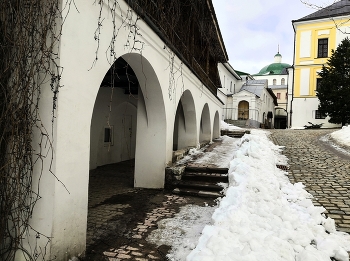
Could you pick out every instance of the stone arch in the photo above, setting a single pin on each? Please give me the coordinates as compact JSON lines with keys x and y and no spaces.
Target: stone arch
{"x":216,"y":126}
{"x":144,"y":113}
{"x":185,"y":134}
{"x":205,"y":129}
{"x":151,"y":125}
{"x":243,"y":110}
{"x":114,"y":115}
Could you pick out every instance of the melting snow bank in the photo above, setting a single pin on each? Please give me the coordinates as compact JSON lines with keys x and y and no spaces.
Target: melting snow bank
{"x":342,"y":136}
{"x":264,"y":217}
{"x":182,"y":231}
{"x":227,"y":126}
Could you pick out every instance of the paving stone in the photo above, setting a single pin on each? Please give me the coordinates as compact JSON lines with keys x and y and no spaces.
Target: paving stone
{"x":324,"y":173}
{"x":124,"y":256}
{"x":134,"y":253}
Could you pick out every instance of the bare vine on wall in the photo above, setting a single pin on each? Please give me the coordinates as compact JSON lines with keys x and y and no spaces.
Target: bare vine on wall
{"x":121,"y":20}
{"x":29,"y":64}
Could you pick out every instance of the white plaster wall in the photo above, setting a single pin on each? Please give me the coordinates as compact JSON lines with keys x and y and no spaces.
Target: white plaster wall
{"x":251,"y":99}
{"x":226,"y":79}
{"x":123,"y":108}
{"x":341,"y":34}
{"x":307,"y":107}
{"x":66,"y":198}
{"x":305,"y":81}
{"x":270,"y":78}
{"x":305,"y":40}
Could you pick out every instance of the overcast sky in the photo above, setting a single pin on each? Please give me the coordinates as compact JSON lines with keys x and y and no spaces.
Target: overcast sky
{"x":252,"y":30}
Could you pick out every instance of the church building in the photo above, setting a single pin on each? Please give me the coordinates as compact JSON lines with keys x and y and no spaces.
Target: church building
{"x":276,"y":74}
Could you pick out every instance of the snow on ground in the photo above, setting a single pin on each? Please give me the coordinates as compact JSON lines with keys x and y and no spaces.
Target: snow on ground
{"x":182,"y":231}
{"x":220,"y":156}
{"x":227,"y":126}
{"x":339,"y":140}
{"x":262,"y":216}
{"x":342,"y":136}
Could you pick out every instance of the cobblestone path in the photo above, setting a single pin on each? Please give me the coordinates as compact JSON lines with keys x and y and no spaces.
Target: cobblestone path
{"x":325,"y":172}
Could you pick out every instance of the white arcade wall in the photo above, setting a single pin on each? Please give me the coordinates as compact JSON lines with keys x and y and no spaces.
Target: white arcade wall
{"x":80,"y":121}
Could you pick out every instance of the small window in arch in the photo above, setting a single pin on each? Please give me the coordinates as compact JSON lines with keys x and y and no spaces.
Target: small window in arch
{"x":274,"y":81}
{"x":108,"y":136}
{"x":283,"y":81}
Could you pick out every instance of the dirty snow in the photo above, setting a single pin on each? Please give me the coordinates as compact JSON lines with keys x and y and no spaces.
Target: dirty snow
{"x":262,"y":216}
{"x":227,"y":126}
{"x":342,"y":136}
{"x":219,"y":156}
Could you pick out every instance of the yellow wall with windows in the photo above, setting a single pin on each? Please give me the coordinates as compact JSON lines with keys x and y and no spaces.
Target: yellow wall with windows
{"x":307,"y":34}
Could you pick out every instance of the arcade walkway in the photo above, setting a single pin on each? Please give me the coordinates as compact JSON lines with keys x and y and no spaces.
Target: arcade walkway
{"x":121,"y":217}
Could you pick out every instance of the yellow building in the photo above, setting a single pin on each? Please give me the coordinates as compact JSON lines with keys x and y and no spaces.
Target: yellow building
{"x":315,"y":36}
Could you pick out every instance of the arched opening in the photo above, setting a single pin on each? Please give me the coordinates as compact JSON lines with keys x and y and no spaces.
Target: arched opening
{"x":283,"y":81}
{"x":243,"y":110}
{"x":264,"y":120}
{"x":185,"y":123}
{"x":205,"y":129}
{"x":274,"y":81}
{"x":113,"y":123}
{"x":128,"y":121}
{"x":216,"y":126}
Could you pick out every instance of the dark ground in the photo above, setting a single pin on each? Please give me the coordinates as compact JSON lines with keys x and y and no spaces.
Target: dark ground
{"x":121,"y":217}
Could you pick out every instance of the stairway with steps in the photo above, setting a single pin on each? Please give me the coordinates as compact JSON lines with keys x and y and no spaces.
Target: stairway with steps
{"x":202,"y":181}
{"x":234,"y":133}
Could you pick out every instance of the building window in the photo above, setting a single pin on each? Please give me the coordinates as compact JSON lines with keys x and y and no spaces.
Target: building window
{"x":274,"y":82}
{"x":283,"y":81}
{"x":231,"y":86}
{"x":318,"y":83}
{"x":108,"y":136}
{"x":320,"y":115}
{"x":278,"y":95}
{"x":322,"y":48}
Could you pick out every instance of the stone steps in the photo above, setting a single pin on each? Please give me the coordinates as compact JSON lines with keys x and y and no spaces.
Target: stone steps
{"x":202,"y":181}
{"x":234,"y":134}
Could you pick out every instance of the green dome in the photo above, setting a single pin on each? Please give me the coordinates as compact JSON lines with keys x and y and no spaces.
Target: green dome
{"x":274,"y":68}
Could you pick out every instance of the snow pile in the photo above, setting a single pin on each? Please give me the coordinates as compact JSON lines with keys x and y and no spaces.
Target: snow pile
{"x":342,"y":136}
{"x":226,"y":126}
{"x":221,"y":155}
{"x":264,"y":217}
{"x":182,"y":231}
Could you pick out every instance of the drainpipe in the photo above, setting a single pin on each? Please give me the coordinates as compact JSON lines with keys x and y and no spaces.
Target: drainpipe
{"x":293,"y":68}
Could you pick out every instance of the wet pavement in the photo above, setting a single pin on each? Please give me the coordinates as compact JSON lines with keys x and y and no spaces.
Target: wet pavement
{"x":121,"y":217}
{"x":323,"y":170}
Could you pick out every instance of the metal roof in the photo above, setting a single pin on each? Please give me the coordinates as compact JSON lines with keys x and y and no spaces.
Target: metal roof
{"x":275,"y":87}
{"x":255,"y":86}
{"x":274,"y":68}
{"x":337,"y":9}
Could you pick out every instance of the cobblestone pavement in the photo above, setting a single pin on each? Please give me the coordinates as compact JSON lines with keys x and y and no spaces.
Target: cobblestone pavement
{"x":121,"y":217}
{"x":325,"y":172}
